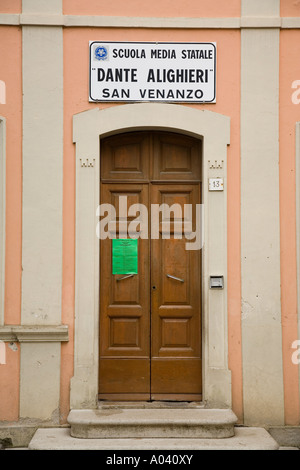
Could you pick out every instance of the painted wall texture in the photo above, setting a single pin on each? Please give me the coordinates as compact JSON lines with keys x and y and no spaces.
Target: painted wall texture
{"x":44,"y":63}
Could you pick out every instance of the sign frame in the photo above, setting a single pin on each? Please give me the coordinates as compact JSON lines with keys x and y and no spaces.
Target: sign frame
{"x":134,"y":44}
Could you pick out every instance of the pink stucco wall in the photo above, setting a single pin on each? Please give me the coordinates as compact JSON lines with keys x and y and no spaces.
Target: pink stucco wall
{"x":165,"y":8}
{"x":290,"y":8}
{"x":10,"y":6}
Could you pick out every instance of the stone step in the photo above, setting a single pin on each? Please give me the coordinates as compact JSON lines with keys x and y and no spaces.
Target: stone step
{"x":244,"y":439}
{"x":152,"y":423}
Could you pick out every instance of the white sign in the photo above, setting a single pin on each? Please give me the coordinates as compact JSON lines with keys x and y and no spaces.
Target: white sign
{"x":134,"y":71}
{"x":215,"y":184}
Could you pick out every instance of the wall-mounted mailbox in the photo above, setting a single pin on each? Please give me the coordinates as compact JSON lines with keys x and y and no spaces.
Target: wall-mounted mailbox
{"x":216,"y":282}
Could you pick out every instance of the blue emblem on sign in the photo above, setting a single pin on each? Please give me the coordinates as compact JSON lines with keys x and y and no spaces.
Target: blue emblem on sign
{"x":101,"y":53}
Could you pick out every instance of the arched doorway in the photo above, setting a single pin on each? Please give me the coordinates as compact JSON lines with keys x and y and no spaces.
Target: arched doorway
{"x":150,"y":313}
{"x":89,"y":128}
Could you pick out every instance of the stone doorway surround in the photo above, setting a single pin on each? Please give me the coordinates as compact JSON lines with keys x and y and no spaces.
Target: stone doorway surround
{"x":89,"y":127}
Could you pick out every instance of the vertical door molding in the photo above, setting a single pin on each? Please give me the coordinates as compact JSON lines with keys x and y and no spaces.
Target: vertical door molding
{"x":84,"y":384}
{"x":2,"y":213}
{"x":88,"y":128}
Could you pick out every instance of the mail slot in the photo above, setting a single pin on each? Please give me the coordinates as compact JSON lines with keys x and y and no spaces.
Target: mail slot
{"x":216,"y":282}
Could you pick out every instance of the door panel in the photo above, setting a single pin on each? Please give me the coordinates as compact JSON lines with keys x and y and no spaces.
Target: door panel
{"x":124,"y":379}
{"x":124,"y":308}
{"x":126,"y":157}
{"x":175,"y":157}
{"x":170,"y":380}
{"x":175,"y":306}
{"x":150,"y":323}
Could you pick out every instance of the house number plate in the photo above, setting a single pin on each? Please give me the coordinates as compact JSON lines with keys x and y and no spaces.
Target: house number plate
{"x":215,"y":184}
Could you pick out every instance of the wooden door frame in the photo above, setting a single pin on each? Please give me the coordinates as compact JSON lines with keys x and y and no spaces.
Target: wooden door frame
{"x":214,"y":131}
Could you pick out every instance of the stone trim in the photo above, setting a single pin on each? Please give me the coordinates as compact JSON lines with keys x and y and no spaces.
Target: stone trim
{"x":290,"y":23}
{"x":263,"y":22}
{"x":97,"y":21}
{"x":2,"y":213}
{"x":260,"y":224}
{"x":42,"y":81}
{"x":214,"y":129}
{"x":16,"y":434}
{"x":287,"y":436}
{"x":34,"y":333}
{"x":9,"y":19}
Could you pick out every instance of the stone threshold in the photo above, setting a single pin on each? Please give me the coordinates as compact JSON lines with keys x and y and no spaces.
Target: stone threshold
{"x":244,"y":439}
{"x":102,"y":405}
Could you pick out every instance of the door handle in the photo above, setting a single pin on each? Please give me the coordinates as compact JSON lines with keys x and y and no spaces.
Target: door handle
{"x":125,"y":277}
{"x":174,"y":277}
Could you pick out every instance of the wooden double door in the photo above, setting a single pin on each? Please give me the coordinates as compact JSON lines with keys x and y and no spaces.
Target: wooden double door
{"x":150,"y":322}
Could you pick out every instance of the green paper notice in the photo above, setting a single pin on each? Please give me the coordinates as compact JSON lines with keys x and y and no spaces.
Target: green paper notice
{"x":124,"y":256}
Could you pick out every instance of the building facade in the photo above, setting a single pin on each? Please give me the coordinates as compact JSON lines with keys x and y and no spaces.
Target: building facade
{"x":70,"y":332}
